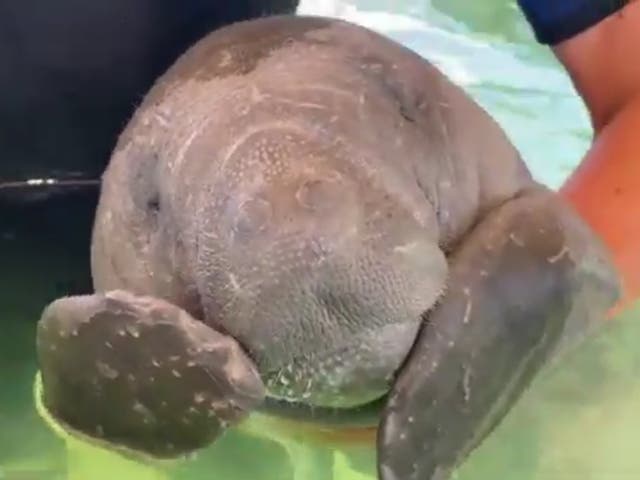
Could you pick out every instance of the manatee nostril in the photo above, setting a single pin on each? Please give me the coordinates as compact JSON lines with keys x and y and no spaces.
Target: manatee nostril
{"x":320,"y":194}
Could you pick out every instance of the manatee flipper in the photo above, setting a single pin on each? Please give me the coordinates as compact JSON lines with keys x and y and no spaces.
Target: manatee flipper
{"x":141,"y":375}
{"x":514,"y":288}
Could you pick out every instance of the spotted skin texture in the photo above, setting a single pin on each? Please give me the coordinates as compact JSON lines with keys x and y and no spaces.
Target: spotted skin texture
{"x":149,"y":368}
{"x":511,"y":297}
{"x":363,"y":230}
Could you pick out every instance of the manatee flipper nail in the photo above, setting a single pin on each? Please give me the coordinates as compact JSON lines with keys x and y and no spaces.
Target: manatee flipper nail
{"x":141,"y":373}
{"x":513,"y":286}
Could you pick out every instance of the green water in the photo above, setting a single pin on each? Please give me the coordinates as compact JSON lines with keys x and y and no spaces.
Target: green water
{"x":577,"y":421}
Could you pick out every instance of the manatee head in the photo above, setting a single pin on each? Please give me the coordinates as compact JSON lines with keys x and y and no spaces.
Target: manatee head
{"x":315,"y":265}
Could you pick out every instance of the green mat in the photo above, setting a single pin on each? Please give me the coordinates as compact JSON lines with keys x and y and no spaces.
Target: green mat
{"x":578,"y":420}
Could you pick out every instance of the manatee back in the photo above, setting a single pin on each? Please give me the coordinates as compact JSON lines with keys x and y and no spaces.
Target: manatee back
{"x":435,"y":134}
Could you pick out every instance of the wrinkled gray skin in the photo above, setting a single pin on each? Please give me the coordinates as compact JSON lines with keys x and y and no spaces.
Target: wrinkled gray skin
{"x":306,"y":218}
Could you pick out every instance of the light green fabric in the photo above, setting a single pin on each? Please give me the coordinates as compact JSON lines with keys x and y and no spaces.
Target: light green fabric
{"x":87,"y":461}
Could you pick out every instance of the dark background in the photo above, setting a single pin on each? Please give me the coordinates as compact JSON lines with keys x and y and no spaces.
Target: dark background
{"x":71,"y":74}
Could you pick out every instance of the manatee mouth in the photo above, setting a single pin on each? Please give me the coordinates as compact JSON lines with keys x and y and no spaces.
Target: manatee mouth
{"x":348,"y":376}
{"x":367,"y":415}
{"x":332,"y":335}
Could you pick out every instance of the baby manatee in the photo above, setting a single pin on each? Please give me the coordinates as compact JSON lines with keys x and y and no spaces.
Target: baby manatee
{"x":306,"y":218}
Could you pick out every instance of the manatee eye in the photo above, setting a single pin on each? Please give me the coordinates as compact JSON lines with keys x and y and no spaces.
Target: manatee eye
{"x":153,"y":203}
{"x":321,"y":194}
{"x":143,"y":182}
{"x":253,"y":215}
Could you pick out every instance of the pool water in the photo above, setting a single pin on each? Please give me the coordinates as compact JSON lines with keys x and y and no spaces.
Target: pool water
{"x":578,"y":421}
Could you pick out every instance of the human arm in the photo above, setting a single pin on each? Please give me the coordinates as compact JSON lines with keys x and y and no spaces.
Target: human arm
{"x":597,"y":41}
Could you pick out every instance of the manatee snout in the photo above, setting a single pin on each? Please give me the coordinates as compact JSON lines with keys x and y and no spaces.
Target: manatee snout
{"x":312,"y":203}
{"x":324,"y":283}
